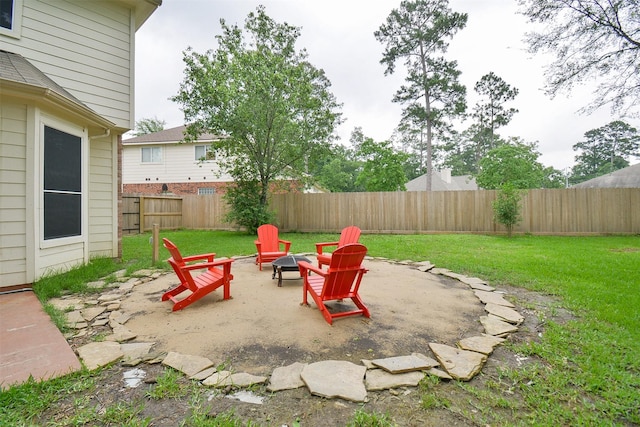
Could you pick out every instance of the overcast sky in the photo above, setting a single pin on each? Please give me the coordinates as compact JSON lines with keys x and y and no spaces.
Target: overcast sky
{"x":338,"y":36}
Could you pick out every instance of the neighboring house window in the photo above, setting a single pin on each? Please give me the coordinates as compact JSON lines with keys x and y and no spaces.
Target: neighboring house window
{"x":62,"y":184}
{"x":151,"y":154}
{"x":204,"y":152}
{"x":205,"y":191}
{"x":10,"y":17}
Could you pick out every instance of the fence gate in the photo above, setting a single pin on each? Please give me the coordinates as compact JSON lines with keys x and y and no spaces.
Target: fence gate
{"x":130,"y":214}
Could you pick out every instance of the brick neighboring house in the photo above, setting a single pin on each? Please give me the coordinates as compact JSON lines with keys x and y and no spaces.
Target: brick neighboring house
{"x":159,"y":163}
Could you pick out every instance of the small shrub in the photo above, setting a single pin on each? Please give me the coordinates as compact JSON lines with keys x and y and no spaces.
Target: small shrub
{"x":246,"y":207}
{"x":506,"y":208}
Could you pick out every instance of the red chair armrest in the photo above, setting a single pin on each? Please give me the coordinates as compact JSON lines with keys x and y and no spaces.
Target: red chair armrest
{"x":190,"y":258}
{"x":305,"y":267}
{"x":286,"y":243}
{"x":319,"y":246}
{"x":202,"y":265}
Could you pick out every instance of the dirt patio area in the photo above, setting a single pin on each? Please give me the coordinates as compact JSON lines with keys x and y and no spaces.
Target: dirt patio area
{"x":264,"y":326}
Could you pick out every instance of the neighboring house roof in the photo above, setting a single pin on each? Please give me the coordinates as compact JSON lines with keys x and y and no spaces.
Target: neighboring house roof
{"x":167,"y":136}
{"x":443,"y":181}
{"x":628,"y":177}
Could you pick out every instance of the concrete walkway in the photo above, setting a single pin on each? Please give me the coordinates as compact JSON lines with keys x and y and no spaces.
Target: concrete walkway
{"x":30,"y":344}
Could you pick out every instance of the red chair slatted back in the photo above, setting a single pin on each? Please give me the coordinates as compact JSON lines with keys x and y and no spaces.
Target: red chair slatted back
{"x":348,"y":235}
{"x":268,"y":237}
{"x":346,"y":264}
{"x":173,"y":250}
{"x":177,"y":262}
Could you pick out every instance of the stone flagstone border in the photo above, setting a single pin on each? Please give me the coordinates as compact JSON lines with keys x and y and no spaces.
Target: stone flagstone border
{"x":329,"y":379}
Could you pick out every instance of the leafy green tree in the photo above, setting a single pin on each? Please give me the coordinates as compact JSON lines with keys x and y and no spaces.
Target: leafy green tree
{"x":514,"y":163}
{"x":553,"y":178}
{"x":489,"y":112}
{"x":417,"y":33}
{"x":274,"y":106}
{"x":147,"y":126}
{"x":411,"y":137}
{"x":383,"y":168}
{"x":605,"y":150}
{"x":593,"y":40}
{"x":340,"y":171}
{"x":459,"y":152}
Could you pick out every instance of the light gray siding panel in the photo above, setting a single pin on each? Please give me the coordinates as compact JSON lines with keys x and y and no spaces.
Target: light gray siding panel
{"x":178,"y":165}
{"x":101,"y":194}
{"x":60,"y":258}
{"x":13,"y":244}
{"x":70,"y":64}
{"x":85,"y":47}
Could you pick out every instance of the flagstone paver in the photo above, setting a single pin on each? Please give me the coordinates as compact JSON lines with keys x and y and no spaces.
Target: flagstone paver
{"x":75,"y":320}
{"x":480,"y":344}
{"x":136,"y":350}
{"x":496,"y":326}
{"x":399,"y":364}
{"x":286,"y":377}
{"x":506,"y":313}
{"x":473,"y":281}
{"x":492,"y":298}
{"x":97,"y":354}
{"x":379,"y":379}
{"x":335,"y":378}
{"x":186,"y":363}
{"x":202,"y":375}
{"x":242,"y":379}
{"x":120,"y":334}
{"x":91,"y":313}
{"x":482,"y":287}
{"x":460,"y":364}
{"x":218,"y":379}
{"x":439,"y":373}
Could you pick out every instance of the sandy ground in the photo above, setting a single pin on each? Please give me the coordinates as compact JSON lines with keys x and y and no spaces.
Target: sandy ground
{"x":264,"y":326}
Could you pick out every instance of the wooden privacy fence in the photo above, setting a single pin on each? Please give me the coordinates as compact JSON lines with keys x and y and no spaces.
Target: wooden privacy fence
{"x":141,"y":212}
{"x":579,"y":211}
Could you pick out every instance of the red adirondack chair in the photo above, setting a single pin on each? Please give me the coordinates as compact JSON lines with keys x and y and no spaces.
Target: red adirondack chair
{"x":348,"y":235}
{"x":339,"y":282}
{"x":269,"y":246}
{"x":218,"y":273}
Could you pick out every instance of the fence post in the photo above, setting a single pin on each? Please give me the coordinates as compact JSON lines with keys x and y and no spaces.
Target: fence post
{"x":141,"y":210}
{"x":156,"y":243}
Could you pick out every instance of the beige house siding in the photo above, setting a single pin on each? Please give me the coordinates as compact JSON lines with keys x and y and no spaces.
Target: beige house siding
{"x":103,"y":188}
{"x":67,"y":64}
{"x":13,"y":198}
{"x":86,"y":47}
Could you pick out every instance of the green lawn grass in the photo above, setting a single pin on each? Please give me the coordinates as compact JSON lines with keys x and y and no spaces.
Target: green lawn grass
{"x":585,"y":372}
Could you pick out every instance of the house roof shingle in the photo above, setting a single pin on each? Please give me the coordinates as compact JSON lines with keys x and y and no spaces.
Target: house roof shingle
{"x":443,"y":181}
{"x":167,"y":136}
{"x":16,"y":68}
{"x":628,"y":177}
